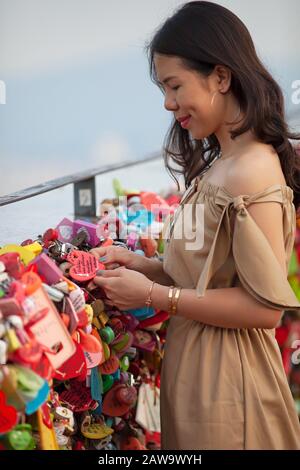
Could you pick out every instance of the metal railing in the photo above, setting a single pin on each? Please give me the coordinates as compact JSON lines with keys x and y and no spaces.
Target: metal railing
{"x":84,"y":186}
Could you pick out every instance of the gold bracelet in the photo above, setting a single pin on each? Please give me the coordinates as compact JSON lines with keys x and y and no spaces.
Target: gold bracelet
{"x":170,"y":296}
{"x":148,"y":301}
{"x":175,"y":301}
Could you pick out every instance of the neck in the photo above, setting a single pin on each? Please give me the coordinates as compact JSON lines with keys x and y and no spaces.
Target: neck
{"x":233,"y":147}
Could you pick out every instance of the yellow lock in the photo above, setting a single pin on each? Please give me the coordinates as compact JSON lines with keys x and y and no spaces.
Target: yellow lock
{"x":34,"y":248}
{"x":12,"y":340}
{"x":103,"y":317}
{"x":96,"y":323}
{"x":106,"y":350}
{"x":89,"y":311}
{"x":25,"y":255}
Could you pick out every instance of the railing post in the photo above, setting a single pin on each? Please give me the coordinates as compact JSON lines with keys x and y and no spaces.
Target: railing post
{"x":85,"y":198}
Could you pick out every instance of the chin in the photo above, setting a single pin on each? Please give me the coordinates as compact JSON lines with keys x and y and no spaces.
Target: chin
{"x":198,"y":135}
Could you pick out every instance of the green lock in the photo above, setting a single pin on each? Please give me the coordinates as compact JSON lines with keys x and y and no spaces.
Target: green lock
{"x":20,"y":438}
{"x":108,"y":382}
{"x":107,"y":334}
{"x":124,"y":363}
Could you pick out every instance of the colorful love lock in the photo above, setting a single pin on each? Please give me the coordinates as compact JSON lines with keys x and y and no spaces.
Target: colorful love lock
{"x":78,"y":398}
{"x":107,"y":334}
{"x":108,"y":382}
{"x":74,"y":367}
{"x":66,"y":417}
{"x":119,"y":400}
{"x":47,"y":268}
{"x":92,"y":349}
{"x":106,"y":350}
{"x":31,"y":387}
{"x":98,"y":307}
{"x":35,"y":247}
{"x":144,"y":340}
{"x":49,"y":237}
{"x":20,"y":438}
{"x":85,"y":265}
{"x":129,"y":321}
{"x":25,"y":255}
{"x":65,"y":230}
{"x":121,"y":344}
{"x":127,"y":395}
{"x":11,"y":306}
{"x":11,"y":263}
{"x":124,"y":378}
{"x":90,"y":230}
{"x":110,"y":366}
{"x":124,"y":363}
{"x":8,"y":415}
{"x":42,"y":320}
{"x":117,"y":326}
{"x":94,"y":430}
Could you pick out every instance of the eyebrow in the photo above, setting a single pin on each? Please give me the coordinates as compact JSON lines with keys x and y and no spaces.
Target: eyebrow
{"x":166,"y":80}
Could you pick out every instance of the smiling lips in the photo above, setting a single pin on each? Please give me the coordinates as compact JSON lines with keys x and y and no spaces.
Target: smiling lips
{"x":184,"y":120}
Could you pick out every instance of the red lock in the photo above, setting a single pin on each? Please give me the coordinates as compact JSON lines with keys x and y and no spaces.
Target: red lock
{"x":49,"y":236}
{"x":13,"y":265}
{"x":85,"y":265}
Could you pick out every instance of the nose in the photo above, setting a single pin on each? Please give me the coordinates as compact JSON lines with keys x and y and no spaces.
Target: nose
{"x":170,"y":103}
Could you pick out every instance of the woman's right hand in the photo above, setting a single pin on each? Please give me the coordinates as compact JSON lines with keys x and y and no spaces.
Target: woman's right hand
{"x":115,"y":256}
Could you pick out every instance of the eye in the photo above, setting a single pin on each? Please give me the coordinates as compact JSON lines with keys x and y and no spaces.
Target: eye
{"x":175,"y":88}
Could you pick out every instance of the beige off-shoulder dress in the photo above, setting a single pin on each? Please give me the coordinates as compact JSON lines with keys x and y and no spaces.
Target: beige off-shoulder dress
{"x":226,"y":388}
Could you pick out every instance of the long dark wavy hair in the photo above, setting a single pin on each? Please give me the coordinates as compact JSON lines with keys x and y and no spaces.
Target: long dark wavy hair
{"x":204,"y":34}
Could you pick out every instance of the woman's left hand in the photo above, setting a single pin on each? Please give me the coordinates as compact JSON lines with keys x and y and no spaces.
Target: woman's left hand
{"x":126,"y":289}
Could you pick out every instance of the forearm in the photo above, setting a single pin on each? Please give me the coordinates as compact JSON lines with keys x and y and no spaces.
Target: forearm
{"x":153,"y":269}
{"x":224,"y":308}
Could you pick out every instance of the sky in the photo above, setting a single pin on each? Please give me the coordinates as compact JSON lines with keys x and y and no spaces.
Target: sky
{"x":78,"y":91}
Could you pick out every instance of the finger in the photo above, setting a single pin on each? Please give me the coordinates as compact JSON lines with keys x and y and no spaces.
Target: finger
{"x":111,"y":265}
{"x":99,"y":252}
{"x":107,"y":273}
{"x":114,"y":255}
{"x":100,"y":281}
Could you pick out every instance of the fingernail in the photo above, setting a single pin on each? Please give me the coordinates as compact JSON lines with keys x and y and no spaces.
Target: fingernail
{"x":100,"y":272}
{"x":103,"y":258}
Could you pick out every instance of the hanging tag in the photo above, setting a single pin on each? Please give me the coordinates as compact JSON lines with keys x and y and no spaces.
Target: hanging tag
{"x":85,"y":265}
{"x":77,"y":299}
{"x":48,"y":329}
{"x":71,"y":312}
{"x":96,"y":384}
{"x":148,"y":408}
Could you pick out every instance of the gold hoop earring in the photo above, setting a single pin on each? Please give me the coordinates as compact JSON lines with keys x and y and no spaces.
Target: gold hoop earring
{"x":213,"y":97}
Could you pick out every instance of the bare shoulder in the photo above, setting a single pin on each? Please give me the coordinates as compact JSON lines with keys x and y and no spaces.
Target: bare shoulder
{"x":254,"y":171}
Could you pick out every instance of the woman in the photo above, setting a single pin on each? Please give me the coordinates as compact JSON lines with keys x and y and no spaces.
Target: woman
{"x":223,"y":385}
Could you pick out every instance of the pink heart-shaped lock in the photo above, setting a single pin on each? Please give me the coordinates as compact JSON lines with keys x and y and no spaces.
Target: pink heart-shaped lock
{"x":84,"y":265}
